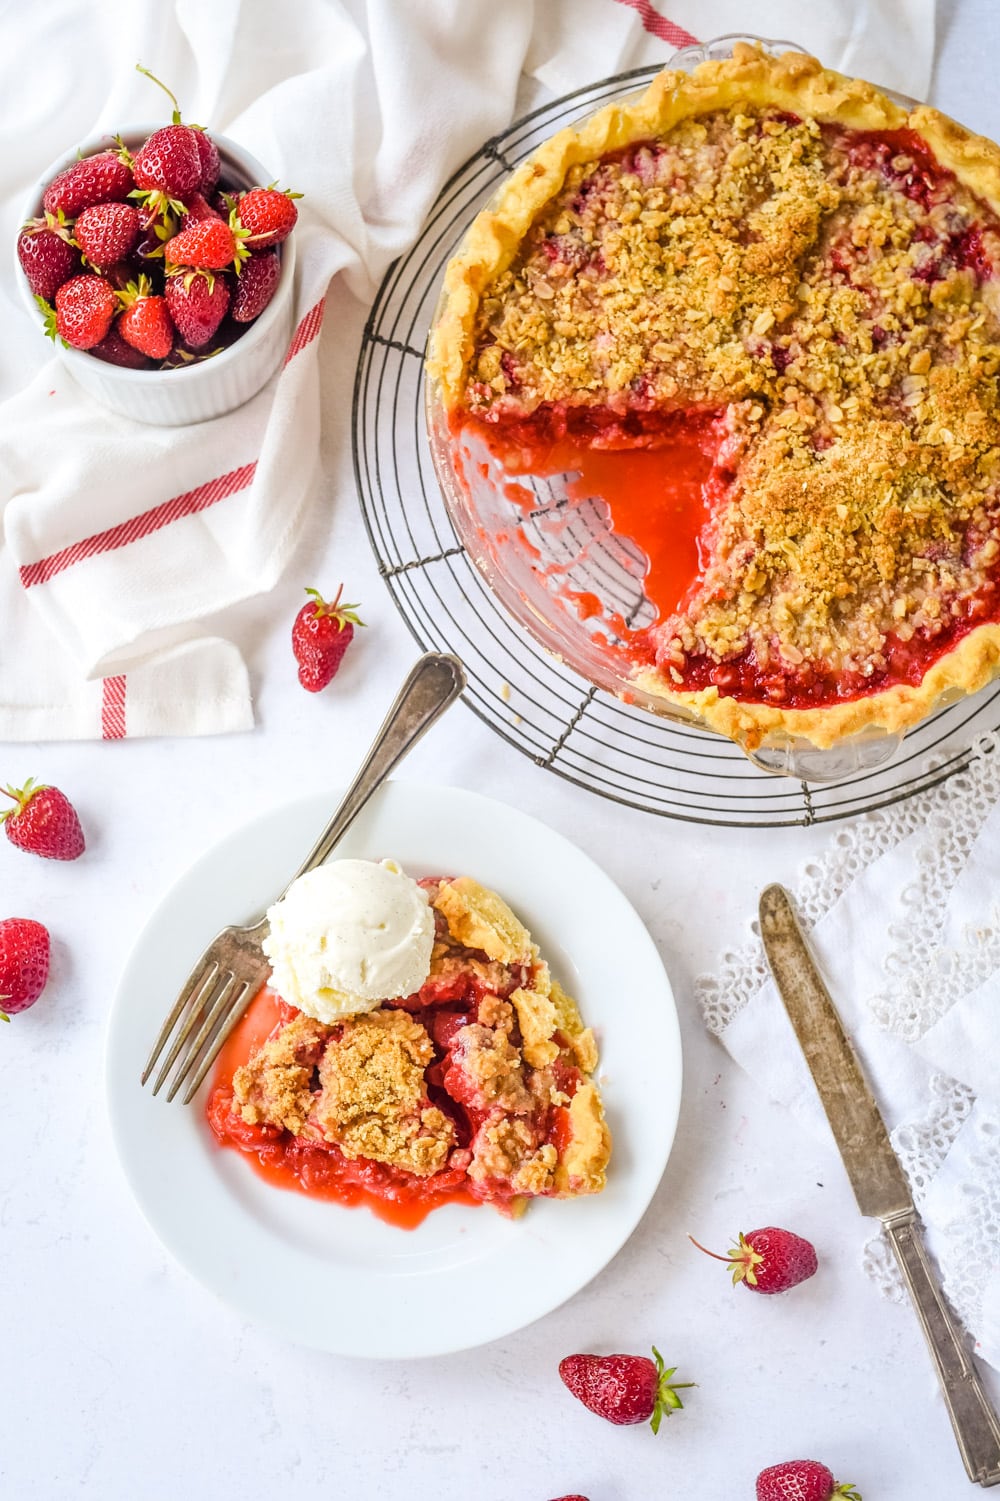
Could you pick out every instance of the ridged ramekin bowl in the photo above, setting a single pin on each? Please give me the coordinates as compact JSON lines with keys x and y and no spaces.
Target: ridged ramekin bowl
{"x":191,"y":393}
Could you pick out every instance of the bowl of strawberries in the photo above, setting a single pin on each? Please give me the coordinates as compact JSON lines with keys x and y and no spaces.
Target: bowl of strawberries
{"x":161,"y":263}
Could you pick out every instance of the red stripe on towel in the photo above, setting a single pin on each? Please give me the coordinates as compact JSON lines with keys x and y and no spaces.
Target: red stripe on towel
{"x":113,"y":709}
{"x":307,"y":330}
{"x":139,"y":526}
{"x":659,"y":26}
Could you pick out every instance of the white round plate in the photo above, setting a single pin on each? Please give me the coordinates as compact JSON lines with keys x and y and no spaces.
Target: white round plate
{"x":341,"y":1279}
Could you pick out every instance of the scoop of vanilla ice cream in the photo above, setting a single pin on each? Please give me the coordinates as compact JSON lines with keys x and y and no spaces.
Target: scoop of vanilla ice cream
{"x":347,"y":936}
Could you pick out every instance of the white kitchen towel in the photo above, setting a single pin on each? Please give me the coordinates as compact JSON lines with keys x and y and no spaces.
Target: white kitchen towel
{"x":119,"y":538}
{"x":904,"y":917}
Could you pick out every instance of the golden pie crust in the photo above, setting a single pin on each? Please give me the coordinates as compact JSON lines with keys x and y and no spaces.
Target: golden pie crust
{"x":882,"y":496}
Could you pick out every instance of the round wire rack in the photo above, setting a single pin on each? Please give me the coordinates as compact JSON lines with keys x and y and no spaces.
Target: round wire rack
{"x":532,"y":700}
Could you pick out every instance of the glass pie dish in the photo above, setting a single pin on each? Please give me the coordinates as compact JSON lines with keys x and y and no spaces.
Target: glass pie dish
{"x":548,"y":551}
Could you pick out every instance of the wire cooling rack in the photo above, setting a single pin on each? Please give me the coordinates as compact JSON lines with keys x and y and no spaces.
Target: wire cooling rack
{"x":529,"y":698}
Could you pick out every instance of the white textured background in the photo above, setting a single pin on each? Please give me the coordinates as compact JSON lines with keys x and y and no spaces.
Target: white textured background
{"x":120,"y":1379}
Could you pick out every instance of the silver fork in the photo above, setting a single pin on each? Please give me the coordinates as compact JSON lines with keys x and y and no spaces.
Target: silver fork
{"x":233,"y":967}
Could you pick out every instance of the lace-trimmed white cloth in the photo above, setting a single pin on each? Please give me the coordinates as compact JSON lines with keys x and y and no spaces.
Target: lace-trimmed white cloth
{"x":904,"y":916}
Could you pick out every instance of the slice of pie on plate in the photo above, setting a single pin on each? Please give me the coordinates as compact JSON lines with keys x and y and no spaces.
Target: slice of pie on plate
{"x":479,"y":1086}
{"x":788,"y":281}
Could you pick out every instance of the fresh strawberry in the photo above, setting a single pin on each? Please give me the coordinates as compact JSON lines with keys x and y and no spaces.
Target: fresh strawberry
{"x":105,"y":178}
{"x":197,"y":209}
{"x":197,"y":301}
{"x":106,"y":233}
{"x":85,"y":307}
{"x":321,"y":634}
{"x":208,"y":151}
{"x":114,"y":351}
{"x":43,"y":823}
{"x":571,"y":1498}
{"x":801,"y":1480}
{"x":169,"y":162}
{"x":24,"y":964}
{"x":256,"y":284}
{"x":47,"y":255}
{"x":145,"y":323}
{"x":266,"y":216}
{"x":207,"y":245}
{"x":768,"y":1260}
{"x":624,"y":1388}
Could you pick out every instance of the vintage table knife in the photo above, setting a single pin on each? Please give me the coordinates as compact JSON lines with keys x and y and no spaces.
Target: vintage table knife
{"x":877,"y":1178}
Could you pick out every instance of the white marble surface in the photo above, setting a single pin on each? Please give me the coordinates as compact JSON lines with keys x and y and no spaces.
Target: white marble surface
{"x":124,"y":1381}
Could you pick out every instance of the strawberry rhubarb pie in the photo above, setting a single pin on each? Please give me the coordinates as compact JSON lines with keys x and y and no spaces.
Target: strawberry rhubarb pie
{"x":780,"y":291}
{"x":413,"y":1050}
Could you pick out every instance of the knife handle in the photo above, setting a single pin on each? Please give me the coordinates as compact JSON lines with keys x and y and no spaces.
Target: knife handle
{"x":977,"y":1428}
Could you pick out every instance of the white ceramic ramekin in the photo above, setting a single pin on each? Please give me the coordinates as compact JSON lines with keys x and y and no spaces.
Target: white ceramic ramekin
{"x":192,"y":393}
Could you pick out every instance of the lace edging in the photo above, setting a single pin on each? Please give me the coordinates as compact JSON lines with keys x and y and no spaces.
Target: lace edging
{"x":742,"y":972}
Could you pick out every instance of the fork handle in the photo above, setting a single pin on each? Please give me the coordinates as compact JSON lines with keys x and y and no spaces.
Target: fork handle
{"x":976,"y":1425}
{"x":433,"y":683}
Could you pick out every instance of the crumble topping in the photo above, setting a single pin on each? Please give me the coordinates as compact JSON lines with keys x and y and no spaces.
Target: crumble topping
{"x":373,"y":1101}
{"x":828,"y":295}
{"x":482,"y":920}
{"x":275,"y":1086}
{"x":508,"y":1150}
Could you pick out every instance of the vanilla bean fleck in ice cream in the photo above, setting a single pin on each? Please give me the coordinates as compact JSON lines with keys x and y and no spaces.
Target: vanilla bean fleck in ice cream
{"x":348,"y":936}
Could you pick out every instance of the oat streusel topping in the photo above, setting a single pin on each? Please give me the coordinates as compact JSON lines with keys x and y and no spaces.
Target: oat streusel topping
{"x":373,"y":1100}
{"x":276,"y":1085}
{"x":829,"y":294}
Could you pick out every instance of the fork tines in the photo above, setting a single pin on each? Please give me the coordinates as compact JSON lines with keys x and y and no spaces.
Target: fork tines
{"x":207,"y":1009}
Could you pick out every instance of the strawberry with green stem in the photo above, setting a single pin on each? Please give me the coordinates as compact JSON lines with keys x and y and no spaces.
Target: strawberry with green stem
{"x":43,"y":822}
{"x":84,"y":308}
{"x":802,"y":1480}
{"x":264,"y":217}
{"x":770,"y":1260}
{"x":145,"y":321}
{"x":197,"y":301}
{"x":47,"y":254}
{"x":208,"y":152}
{"x":206,"y":245}
{"x":321,"y":634}
{"x":624,"y":1389}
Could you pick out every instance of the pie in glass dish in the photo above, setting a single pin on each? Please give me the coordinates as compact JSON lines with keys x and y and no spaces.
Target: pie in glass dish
{"x":757,"y":309}
{"x":476,"y":1088}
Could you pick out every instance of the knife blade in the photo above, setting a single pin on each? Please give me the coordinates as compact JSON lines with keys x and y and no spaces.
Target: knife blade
{"x":879,"y":1184}
{"x":872,"y":1166}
